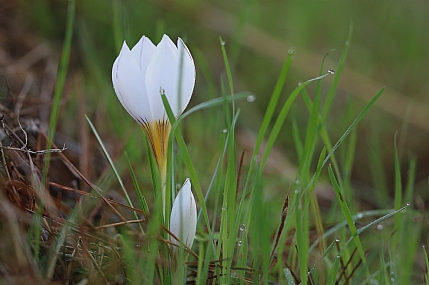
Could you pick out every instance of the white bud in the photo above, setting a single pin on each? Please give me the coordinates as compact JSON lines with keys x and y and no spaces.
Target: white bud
{"x":183,"y":220}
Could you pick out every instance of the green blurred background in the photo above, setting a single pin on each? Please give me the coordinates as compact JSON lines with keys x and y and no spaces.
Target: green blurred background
{"x":390,"y":47}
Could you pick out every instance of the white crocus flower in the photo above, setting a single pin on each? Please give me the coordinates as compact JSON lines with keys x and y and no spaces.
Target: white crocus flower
{"x":183,"y":220}
{"x":140,"y":75}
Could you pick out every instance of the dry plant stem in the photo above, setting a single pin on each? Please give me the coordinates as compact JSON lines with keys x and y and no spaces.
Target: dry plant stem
{"x":84,"y":193}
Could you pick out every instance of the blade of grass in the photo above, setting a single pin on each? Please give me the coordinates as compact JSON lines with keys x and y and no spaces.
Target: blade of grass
{"x":61,"y":78}
{"x":228,"y":73}
{"x":351,"y":127}
{"x":346,"y":212}
{"x":273,"y":136}
{"x":112,"y":165}
{"x":142,"y":199}
{"x":427,"y":265}
{"x":334,"y":270}
{"x":289,"y":277}
{"x":269,"y":113}
{"x":398,"y":191}
{"x":187,"y":160}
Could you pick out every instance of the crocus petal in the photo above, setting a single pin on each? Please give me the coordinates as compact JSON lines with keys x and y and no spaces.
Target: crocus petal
{"x":143,"y":52}
{"x":183,"y":221}
{"x":128,"y":82}
{"x":186,"y":73}
{"x":161,"y":74}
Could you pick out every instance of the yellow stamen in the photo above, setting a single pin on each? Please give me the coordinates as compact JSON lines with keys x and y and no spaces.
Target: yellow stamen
{"x":157,"y":133}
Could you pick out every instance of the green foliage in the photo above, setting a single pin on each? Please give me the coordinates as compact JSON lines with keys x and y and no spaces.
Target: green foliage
{"x":258,"y":226}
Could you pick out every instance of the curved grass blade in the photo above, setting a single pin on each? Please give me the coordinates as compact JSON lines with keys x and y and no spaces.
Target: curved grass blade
{"x":112,"y":165}
{"x":346,"y":212}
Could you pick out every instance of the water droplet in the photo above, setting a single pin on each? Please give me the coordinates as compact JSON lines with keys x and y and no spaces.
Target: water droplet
{"x":251,"y":98}
{"x":223,"y":209}
{"x":379,"y":227}
{"x":215,"y":240}
{"x":257,"y":158}
{"x":408,"y":203}
{"x":222,"y":43}
{"x":178,"y":186}
{"x":360,"y":215}
{"x":331,"y":71}
{"x":299,"y":83}
{"x":291,"y":51}
{"x":224,"y":131}
{"x":337,"y":240}
{"x":296,"y":191}
{"x":297,"y":182}
{"x":240,"y":243}
{"x":242,"y":227}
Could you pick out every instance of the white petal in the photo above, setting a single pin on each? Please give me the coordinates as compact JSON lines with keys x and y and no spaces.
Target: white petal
{"x":128,"y":82}
{"x":143,"y":52}
{"x":186,"y":73}
{"x":161,"y":73}
{"x":183,"y":221}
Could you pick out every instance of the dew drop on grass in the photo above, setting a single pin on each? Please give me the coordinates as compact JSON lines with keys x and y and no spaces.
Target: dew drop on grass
{"x":360,"y":215}
{"x":296,"y":191}
{"x":337,"y":240}
{"x":224,"y":131}
{"x":222,"y":43}
{"x":299,"y":83}
{"x":242,"y":227}
{"x":297,"y":182}
{"x":251,"y":98}
{"x":379,"y":227}
{"x":291,"y":51}
{"x":408,"y":204}
{"x":331,"y":71}
{"x":257,"y":158}
{"x":240,"y":243}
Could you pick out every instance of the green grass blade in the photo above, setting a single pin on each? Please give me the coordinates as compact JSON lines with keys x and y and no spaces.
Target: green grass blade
{"x":269,"y":113}
{"x":334,"y":271}
{"x":228,"y":72}
{"x":59,"y":86}
{"x":427,"y":265}
{"x":352,"y":126}
{"x":142,"y":199}
{"x":187,"y":160}
{"x":346,"y":212}
{"x":299,"y":147}
{"x":112,"y":165}
{"x":398,"y":191}
{"x":289,"y":277}
{"x":281,"y":118}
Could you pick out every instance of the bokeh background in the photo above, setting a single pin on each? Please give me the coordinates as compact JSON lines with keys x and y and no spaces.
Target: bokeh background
{"x":389,"y":47}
